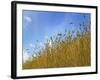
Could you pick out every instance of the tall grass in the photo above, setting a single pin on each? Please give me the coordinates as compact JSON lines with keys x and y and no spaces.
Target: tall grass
{"x":69,"y":49}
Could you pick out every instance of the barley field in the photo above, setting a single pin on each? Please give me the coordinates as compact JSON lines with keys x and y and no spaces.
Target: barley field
{"x":67,"y":49}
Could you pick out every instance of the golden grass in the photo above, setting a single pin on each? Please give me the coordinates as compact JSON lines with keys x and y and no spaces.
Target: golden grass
{"x":66,"y":52}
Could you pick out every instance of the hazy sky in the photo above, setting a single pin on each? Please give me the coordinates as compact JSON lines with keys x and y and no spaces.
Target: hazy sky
{"x":39,"y":25}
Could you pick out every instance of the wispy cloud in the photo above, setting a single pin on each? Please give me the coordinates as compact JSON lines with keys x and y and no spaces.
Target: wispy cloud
{"x":46,"y":37}
{"x":41,"y":44}
{"x":28,"y":19}
{"x":26,"y":56}
{"x":31,"y":45}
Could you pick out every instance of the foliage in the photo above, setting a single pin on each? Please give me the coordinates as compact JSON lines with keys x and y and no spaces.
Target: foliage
{"x":69,"y":49}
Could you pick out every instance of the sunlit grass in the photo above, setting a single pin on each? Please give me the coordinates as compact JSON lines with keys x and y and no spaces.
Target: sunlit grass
{"x":68,"y":49}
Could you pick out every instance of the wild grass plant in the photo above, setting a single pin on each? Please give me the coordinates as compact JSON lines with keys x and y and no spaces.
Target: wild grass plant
{"x":68,"y":49}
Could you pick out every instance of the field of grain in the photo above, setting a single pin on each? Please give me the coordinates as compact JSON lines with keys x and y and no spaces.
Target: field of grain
{"x":68,"y":49}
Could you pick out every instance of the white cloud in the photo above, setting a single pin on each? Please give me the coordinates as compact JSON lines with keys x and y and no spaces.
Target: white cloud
{"x":28,"y":19}
{"x":26,"y":56}
{"x":41,"y":44}
{"x":46,"y":37}
{"x":34,"y":55}
{"x":50,"y":43}
{"x":31,"y":45}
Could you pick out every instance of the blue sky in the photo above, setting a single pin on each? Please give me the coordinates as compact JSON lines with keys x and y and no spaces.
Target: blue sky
{"x":40,"y":25}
